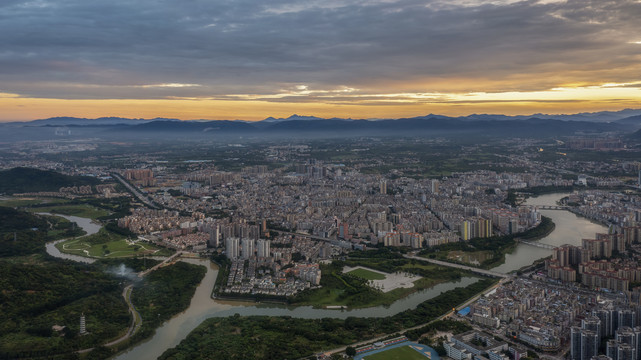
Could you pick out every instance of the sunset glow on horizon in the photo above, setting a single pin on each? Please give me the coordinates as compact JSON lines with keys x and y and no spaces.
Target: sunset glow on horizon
{"x":250,"y":60}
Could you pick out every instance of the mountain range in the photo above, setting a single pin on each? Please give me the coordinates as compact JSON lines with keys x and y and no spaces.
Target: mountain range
{"x":539,"y":125}
{"x":627,"y":115}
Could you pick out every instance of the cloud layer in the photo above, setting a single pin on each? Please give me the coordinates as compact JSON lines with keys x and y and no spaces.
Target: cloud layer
{"x":327,"y":51}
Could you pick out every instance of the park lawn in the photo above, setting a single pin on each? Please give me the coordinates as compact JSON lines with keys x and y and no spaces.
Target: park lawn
{"x":81,"y":210}
{"x":355,"y":292}
{"x":389,"y":297}
{"x":111,"y":249}
{"x":399,"y":353}
{"x":327,"y":296}
{"x":367,"y":274}
{"x":472,"y":258}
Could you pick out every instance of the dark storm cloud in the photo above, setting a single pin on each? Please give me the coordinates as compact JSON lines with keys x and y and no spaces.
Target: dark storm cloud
{"x":110,"y":49}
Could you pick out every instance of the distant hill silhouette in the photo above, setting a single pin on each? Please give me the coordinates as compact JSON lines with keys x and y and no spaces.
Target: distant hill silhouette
{"x":632,"y":120}
{"x":21,"y":180}
{"x":302,"y":126}
{"x":412,"y":126}
{"x":636,"y":135}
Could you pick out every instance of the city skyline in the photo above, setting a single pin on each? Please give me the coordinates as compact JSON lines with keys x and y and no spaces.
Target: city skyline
{"x":248,"y":60}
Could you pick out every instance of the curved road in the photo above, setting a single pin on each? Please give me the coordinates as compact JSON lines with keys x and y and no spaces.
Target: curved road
{"x":136,"y":320}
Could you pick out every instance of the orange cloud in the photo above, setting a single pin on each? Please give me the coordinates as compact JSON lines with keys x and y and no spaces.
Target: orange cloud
{"x":352,"y":103}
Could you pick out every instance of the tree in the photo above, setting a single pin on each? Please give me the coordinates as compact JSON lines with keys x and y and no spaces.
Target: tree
{"x":350,"y":351}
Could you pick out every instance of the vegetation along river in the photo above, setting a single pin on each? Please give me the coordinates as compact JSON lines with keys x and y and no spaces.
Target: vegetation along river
{"x":570,"y":229}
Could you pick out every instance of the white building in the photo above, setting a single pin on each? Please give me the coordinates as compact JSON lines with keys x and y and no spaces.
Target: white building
{"x":232,"y":248}
{"x":248,"y":248}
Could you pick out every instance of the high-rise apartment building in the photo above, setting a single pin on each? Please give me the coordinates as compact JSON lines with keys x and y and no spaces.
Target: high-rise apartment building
{"x":248,"y":246}
{"x":263,"y":248}
{"x":232,"y":245}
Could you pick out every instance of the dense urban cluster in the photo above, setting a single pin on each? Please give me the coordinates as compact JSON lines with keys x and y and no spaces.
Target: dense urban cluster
{"x":275,"y":220}
{"x":331,"y":201}
{"x":338,"y":207}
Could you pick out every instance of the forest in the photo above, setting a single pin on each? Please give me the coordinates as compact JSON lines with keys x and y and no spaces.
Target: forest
{"x":40,"y":292}
{"x":22,"y":180}
{"x":164,"y":293}
{"x":22,"y":233}
{"x":37,"y":297}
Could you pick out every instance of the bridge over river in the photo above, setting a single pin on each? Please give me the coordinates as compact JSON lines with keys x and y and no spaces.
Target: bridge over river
{"x":475,"y":270}
{"x":165,"y":262}
{"x":537,"y":244}
{"x":553,"y":207}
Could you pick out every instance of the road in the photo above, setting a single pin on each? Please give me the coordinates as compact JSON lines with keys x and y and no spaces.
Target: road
{"x":459,"y":266}
{"x":136,"y":321}
{"x":135,"y":192}
{"x":167,"y":260}
{"x":304,"y":235}
{"x":386,"y":336}
{"x":449,"y":313}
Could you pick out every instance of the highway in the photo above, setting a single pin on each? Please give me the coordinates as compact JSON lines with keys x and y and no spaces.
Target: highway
{"x":145,"y":200}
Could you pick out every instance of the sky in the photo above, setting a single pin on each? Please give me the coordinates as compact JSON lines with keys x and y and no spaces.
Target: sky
{"x":250,"y":59}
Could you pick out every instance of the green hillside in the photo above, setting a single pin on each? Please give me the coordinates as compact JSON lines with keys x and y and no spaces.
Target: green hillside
{"x":22,"y":233}
{"x":21,"y":180}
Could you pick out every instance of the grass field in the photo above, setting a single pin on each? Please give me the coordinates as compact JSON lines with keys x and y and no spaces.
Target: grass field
{"x":335,"y":293}
{"x":473,"y":258}
{"x":400,"y":353}
{"x":367,"y":274}
{"x":17,"y":202}
{"x":86,"y":211}
{"x":107,"y":245}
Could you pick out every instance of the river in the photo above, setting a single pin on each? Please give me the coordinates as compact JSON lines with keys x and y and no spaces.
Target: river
{"x":86,"y":224}
{"x":203,"y":307}
{"x":569,"y":229}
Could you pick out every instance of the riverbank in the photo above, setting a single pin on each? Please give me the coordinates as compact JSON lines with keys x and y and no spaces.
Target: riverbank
{"x":341,"y":290}
{"x":496,"y":246}
{"x":594,"y":221}
{"x":569,"y":229}
{"x":344,"y":291}
{"x":165,"y":293}
{"x":203,"y":307}
{"x":267,"y":337}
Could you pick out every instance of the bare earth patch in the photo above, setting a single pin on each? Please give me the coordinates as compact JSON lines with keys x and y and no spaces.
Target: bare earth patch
{"x":391,"y":281}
